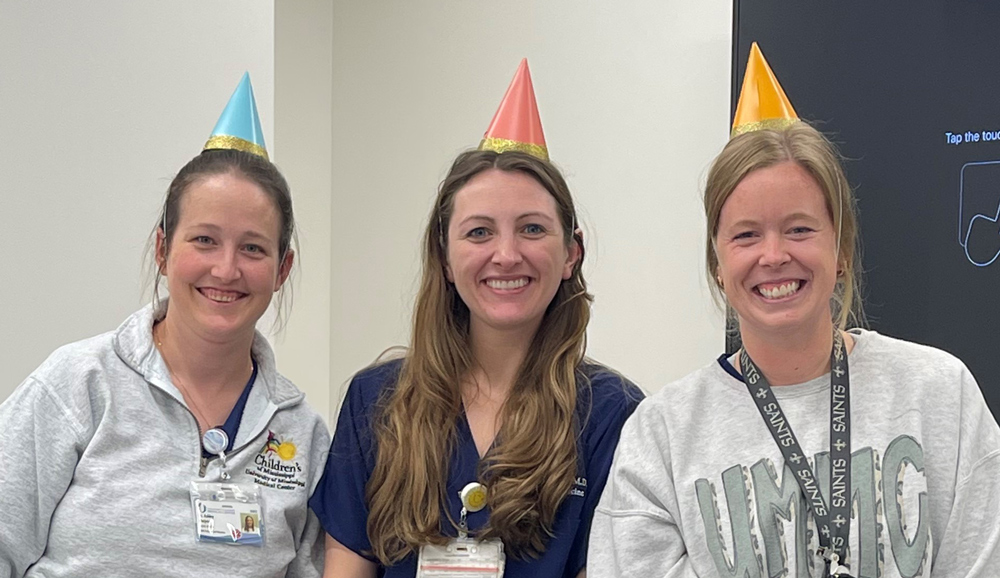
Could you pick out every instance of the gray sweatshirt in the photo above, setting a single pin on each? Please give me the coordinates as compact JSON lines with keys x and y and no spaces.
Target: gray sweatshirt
{"x":99,"y":450}
{"x":698,"y":486}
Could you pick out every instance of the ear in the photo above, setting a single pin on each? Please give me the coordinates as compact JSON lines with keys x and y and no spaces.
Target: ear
{"x":573,"y":255}
{"x":161,"y":251}
{"x":448,"y":274}
{"x":284,"y":269}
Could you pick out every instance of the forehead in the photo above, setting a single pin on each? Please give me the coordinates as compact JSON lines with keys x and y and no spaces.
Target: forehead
{"x":773,"y":193}
{"x":229,"y":200}
{"x":495,"y":193}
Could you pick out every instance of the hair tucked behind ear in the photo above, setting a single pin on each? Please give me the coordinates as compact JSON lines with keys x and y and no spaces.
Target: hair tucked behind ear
{"x":807,"y":147}
{"x":532,"y":467}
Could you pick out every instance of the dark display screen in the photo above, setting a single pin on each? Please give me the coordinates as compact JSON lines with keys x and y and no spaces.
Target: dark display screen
{"x":911,"y":95}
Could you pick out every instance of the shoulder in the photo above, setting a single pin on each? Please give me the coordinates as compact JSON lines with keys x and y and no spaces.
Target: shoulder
{"x":605,"y":395}
{"x":705,"y":391}
{"x":75,"y":364}
{"x":608,"y":386}
{"x":884,"y":355}
{"x":369,"y":383}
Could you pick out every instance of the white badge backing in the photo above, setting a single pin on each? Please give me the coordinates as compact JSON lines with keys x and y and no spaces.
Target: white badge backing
{"x":462,"y":558}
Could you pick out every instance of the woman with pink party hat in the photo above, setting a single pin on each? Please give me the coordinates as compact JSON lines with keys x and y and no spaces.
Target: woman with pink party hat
{"x":813,"y":451}
{"x":172,"y":446}
{"x":484,"y":448}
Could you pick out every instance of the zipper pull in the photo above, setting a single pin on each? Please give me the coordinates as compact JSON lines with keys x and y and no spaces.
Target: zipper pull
{"x":203,"y":467}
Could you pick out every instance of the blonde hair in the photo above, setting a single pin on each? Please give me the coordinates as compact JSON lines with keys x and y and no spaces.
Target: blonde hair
{"x":533,"y":464}
{"x":808,"y":148}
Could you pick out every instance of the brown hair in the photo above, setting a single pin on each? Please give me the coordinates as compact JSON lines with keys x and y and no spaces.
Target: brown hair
{"x":808,"y":148}
{"x":255,"y":169}
{"x":532,"y":466}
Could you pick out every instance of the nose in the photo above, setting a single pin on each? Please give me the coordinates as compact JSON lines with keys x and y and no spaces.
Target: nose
{"x":774,"y":251}
{"x":226,"y":266}
{"x":506,"y":254}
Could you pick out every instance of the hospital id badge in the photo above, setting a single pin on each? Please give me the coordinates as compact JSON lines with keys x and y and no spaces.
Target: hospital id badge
{"x":462,"y":558}
{"x":228,"y":513}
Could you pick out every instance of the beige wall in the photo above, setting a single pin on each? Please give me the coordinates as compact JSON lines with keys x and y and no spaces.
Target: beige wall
{"x":100,"y":104}
{"x":303,"y":55}
{"x":634,"y":101}
{"x":370,"y":101}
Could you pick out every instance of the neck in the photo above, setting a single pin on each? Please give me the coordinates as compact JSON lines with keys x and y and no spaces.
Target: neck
{"x":791,"y":358}
{"x":498,"y":356}
{"x":208,"y":365}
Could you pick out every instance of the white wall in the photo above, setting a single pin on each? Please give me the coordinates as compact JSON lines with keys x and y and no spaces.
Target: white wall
{"x":634,"y":100}
{"x":371,"y":101}
{"x":303,"y":137}
{"x":100,"y":104}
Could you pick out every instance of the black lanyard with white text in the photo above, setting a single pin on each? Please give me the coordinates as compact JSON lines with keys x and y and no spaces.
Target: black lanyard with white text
{"x":834,"y":523}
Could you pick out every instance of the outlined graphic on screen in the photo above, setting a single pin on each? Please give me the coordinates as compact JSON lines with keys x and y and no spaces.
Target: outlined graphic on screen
{"x":979,"y":212}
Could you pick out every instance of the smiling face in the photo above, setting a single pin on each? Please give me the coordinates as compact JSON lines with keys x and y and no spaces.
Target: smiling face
{"x":223,"y":263}
{"x":506,"y":250}
{"x":777,"y":252}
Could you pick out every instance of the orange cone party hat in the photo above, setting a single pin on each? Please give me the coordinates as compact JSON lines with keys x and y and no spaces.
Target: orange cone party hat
{"x":516,"y":125}
{"x":763,"y":104}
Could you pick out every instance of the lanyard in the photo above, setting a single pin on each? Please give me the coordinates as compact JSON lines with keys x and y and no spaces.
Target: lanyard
{"x":834,"y":523}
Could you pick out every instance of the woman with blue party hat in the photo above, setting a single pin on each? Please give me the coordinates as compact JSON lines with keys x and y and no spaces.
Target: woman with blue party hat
{"x":172,"y":446}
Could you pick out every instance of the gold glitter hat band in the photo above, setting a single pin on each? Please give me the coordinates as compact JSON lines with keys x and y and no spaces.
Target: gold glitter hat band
{"x":502,"y":145}
{"x":763,"y":104}
{"x":516,"y":126}
{"x":766,"y":124}
{"x":225,"y":141}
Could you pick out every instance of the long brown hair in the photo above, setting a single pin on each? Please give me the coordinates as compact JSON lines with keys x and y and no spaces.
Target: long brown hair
{"x":808,"y":148}
{"x":532,"y":466}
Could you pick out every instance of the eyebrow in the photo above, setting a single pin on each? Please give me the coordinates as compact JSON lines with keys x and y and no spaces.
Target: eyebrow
{"x":491,"y":220}
{"x":792,"y":217}
{"x":216,"y":229}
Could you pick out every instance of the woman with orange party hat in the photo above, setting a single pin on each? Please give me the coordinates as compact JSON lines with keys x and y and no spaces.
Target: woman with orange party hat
{"x":172,"y":446}
{"x":815,"y":450}
{"x":484,"y":448}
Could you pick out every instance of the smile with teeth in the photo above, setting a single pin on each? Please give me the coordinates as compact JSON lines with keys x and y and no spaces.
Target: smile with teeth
{"x":220,"y":296}
{"x":783,"y":290}
{"x":507,"y":284}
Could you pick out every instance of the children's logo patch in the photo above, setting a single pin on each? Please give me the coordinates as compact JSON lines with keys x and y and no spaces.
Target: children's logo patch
{"x":275,"y":465}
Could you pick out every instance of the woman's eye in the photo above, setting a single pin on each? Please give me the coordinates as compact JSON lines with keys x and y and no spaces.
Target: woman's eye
{"x":203,"y":240}
{"x":743,"y":235}
{"x":534,"y":229}
{"x":801,"y":230}
{"x":477,"y":233}
{"x":253,"y":249}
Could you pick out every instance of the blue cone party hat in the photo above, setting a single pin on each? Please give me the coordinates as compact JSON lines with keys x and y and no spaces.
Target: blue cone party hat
{"x":239,"y":126}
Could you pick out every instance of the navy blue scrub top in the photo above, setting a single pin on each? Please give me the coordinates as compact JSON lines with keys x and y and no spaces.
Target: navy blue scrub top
{"x":339,"y":500}
{"x":232,"y":425}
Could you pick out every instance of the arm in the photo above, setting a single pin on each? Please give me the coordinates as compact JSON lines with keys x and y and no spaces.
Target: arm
{"x":339,"y":500}
{"x":42,"y":445}
{"x":634,"y":532}
{"x":970,"y":546}
{"x":308,"y":562}
{"x":342,"y":562}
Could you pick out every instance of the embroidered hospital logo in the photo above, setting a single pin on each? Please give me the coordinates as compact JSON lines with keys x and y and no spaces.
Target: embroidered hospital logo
{"x":284,"y":449}
{"x":275,"y":465}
